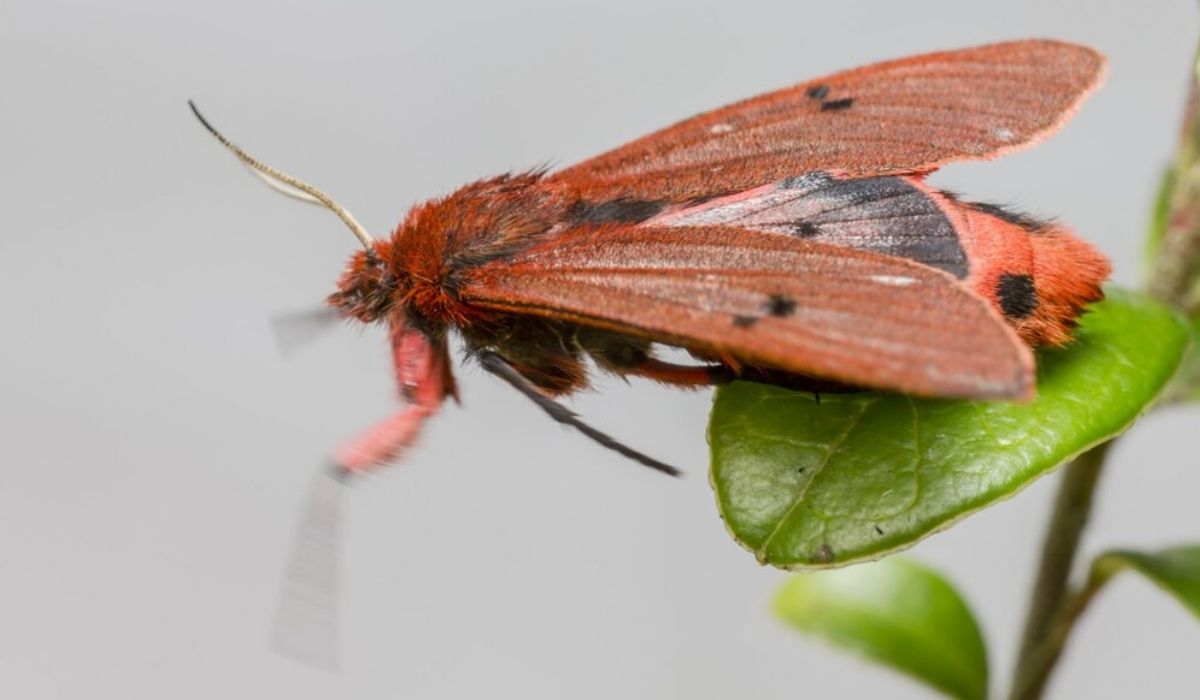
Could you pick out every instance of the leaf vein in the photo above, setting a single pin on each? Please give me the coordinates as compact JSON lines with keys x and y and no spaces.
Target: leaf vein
{"x":833,"y":448}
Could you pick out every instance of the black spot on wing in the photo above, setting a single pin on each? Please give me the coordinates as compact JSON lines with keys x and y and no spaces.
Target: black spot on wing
{"x":780,"y":306}
{"x":741,"y":321}
{"x":1017,"y":295}
{"x":805,"y":229}
{"x":837,"y":105}
{"x":817,"y":92}
{"x":621,"y":210}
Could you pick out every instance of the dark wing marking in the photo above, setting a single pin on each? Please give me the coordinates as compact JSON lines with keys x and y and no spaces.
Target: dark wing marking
{"x":882,"y":214}
{"x":912,"y":114}
{"x":820,"y":310}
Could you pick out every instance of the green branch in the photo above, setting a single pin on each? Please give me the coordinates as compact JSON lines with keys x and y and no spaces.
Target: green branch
{"x":1050,"y":618}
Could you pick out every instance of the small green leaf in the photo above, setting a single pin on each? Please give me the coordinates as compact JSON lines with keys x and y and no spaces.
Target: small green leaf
{"x":1176,"y":570}
{"x":808,"y":484}
{"x":897,"y":613}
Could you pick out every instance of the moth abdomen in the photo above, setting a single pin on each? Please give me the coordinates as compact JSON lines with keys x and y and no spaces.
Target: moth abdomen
{"x":1038,"y":274}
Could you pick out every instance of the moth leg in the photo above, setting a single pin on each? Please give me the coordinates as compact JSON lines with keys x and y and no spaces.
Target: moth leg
{"x":713,"y":374}
{"x":424,"y":380}
{"x":493,"y":362}
{"x":681,"y":375}
{"x":382,"y":442}
{"x":627,"y":356}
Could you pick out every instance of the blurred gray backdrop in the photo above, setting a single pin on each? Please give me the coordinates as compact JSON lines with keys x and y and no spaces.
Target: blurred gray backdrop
{"x":157,"y":446}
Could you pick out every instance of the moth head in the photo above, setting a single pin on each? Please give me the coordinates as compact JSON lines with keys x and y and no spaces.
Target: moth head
{"x":367,"y":288}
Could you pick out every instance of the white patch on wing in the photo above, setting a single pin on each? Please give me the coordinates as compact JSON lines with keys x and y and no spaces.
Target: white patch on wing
{"x":893,"y":280}
{"x":1004,"y":134}
{"x":721,"y":128}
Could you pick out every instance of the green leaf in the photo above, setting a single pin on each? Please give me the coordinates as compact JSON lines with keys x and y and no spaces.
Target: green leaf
{"x":897,"y":613}
{"x":808,"y":484}
{"x":1176,"y":570}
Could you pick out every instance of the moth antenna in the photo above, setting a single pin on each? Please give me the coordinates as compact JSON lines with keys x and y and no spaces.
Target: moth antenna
{"x":288,"y":185}
{"x":497,"y":365}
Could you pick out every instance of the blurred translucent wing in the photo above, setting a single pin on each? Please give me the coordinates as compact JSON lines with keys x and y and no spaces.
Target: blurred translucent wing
{"x":768,"y":300}
{"x":908,"y":115}
{"x":306,"y":621}
{"x":296,"y":329}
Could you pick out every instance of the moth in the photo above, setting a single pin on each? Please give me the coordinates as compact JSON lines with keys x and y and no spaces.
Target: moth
{"x":789,"y":238}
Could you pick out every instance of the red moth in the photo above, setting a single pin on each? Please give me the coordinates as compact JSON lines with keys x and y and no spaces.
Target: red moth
{"x":787,"y":238}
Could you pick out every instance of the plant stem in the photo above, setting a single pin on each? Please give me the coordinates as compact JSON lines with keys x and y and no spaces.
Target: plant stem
{"x":1175,"y":266}
{"x":1053,"y":609}
{"x":1175,"y":276}
{"x":1048,"y":622}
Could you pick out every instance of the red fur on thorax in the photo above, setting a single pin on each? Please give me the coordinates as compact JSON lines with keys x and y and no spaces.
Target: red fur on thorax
{"x":483,"y":220}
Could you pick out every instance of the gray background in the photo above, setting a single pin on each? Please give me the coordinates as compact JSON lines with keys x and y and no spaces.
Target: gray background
{"x":157,"y":447}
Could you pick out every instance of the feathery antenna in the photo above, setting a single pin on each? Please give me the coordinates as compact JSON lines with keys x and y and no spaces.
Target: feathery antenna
{"x":292,"y":187}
